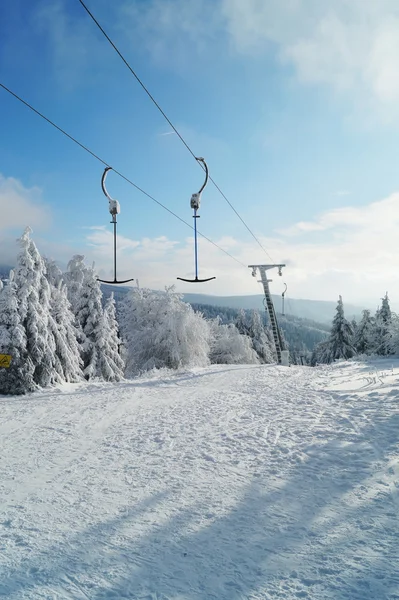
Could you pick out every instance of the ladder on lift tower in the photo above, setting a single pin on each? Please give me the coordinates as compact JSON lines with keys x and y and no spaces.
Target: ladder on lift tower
{"x":278,"y":342}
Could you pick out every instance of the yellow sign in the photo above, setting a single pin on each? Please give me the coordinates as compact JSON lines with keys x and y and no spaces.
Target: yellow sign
{"x":5,"y":360}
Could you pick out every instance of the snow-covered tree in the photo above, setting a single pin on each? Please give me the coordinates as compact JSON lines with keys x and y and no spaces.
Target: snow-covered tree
{"x":260,"y":339}
{"x":382,"y":323}
{"x":74,"y":279}
{"x":321,"y":354}
{"x":228,"y":346}
{"x":340,"y":342}
{"x":241,"y":322}
{"x":393,"y":335}
{"x":18,"y":378}
{"x":363,"y":335}
{"x":112,"y":341}
{"x":62,"y":329}
{"x":160,"y":330}
{"x":90,"y":318}
{"x":33,"y":294}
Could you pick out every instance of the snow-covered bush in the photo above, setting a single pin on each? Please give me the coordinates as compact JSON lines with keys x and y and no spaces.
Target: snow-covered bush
{"x":160,"y":330}
{"x":228,"y":346}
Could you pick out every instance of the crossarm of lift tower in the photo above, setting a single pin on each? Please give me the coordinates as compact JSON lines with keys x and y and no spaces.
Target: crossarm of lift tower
{"x":266,"y":268}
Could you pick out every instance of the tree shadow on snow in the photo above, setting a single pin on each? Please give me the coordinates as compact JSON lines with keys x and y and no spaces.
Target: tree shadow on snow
{"x":322,"y":532}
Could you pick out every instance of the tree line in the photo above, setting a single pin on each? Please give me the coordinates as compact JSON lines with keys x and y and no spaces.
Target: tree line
{"x":57,"y":328}
{"x":376,"y":334}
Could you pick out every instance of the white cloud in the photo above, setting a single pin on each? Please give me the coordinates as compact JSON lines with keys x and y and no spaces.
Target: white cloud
{"x":355,"y":256}
{"x":21,"y":206}
{"x":76,"y":52}
{"x":350,"y":45}
{"x":377,"y":217}
{"x":171,"y":31}
{"x":351,"y":251}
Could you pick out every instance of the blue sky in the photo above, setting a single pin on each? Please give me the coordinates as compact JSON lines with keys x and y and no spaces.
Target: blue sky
{"x":293,"y":104}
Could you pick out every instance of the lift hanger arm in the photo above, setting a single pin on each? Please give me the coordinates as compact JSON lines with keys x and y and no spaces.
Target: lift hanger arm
{"x":195,"y":204}
{"x":201,"y":160}
{"x":114,"y":209}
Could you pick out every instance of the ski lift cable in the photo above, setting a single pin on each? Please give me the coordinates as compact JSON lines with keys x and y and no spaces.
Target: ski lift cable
{"x":101,"y":160}
{"x":170,"y":123}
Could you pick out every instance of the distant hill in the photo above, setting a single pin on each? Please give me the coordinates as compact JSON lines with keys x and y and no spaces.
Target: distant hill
{"x":321,"y":311}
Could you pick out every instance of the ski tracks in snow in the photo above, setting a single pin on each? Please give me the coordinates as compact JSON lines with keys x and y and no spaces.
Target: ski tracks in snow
{"x":231,"y":482}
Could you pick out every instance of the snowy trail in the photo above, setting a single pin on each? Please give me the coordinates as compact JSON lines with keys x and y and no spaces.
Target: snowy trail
{"x":231,"y":482}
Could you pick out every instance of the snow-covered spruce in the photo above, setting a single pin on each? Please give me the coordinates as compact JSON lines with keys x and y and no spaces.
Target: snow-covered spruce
{"x":160,"y":330}
{"x":363,"y":337}
{"x":382,"y":324}
{"x":33,"y":295}
{"x":62,"y":327}
{"x":73,"y":278}
{"x":340,"y":344}
{"x":18,"y":378}
{"x":95,"y":345}
{"x":113,"y":359}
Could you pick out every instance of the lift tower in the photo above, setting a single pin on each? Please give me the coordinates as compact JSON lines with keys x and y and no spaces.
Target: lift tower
{"x":278,"y":342}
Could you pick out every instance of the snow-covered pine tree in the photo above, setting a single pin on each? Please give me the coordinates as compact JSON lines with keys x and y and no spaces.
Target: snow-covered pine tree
{"x":74,"y":279}
{"x":160,"y":330}
{"x":383,"y":317}
{"x":113,"y":357}
{"x":340,"y":342}
{"x":241,"y":322}
{"x":62,"y":327}
{"x":90,"y":318}
{"x":260,"y":339}
{"x":321,"y":354}
{"x":228,"y":346}
{"x":363,"y":335}
{"x":18,"y":378}
{"x":354,"y":324}
{"x":33,"y":294}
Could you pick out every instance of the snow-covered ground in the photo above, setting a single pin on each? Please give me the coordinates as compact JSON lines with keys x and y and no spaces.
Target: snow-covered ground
{"x":227,"y":483}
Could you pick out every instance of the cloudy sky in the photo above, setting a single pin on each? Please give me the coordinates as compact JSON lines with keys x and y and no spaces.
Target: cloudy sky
{"x":294,"y":104}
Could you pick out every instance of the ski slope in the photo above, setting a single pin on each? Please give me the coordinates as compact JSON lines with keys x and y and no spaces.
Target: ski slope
{"x":231,"y":482}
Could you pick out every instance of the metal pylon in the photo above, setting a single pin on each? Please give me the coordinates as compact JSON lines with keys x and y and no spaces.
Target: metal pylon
{"x":278,"y":342}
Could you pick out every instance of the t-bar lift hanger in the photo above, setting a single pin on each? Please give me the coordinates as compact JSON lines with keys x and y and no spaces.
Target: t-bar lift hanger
{"x":114,"y":209}
{"x":195,"y":204}
{"x":282,"y":299}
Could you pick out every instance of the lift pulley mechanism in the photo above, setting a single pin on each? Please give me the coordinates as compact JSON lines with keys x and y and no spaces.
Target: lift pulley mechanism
{"x":195,"y":204}
{"x":114,"y":209}
{"x":282,"y":299}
